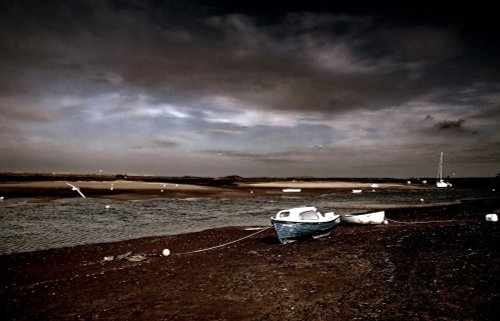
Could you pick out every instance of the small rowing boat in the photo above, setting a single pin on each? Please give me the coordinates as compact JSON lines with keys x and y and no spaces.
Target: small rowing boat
{"x":364,"y":218}
{"x":303,"y":222}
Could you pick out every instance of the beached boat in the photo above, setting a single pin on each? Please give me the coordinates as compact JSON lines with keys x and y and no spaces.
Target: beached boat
{"x":440,"y":182}
{"x":303,"y":222}
{"x":364,"y":218}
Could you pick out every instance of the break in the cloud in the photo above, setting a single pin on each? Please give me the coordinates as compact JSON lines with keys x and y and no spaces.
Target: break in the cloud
{"x":191,"y":89}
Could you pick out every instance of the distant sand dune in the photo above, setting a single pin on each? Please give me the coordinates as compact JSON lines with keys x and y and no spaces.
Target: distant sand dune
{"x":324,"y":185}
{"x":117,"y":185}
{"x":135,"y":189}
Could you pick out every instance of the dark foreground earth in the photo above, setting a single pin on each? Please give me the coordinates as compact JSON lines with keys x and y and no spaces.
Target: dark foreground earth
{"x":438,"y":263}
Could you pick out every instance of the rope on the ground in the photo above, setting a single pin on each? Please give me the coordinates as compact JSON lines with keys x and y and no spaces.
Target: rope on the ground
{"x":424,"y":222}
{"x":225,"y":244}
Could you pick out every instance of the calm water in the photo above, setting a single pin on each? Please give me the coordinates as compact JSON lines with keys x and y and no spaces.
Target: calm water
{"x":28,"y":226}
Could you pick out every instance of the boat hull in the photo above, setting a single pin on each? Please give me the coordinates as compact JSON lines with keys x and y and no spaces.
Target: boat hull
{"x":289,"y":231}
{"x":364,"y":218}
{"x":442,"y":183}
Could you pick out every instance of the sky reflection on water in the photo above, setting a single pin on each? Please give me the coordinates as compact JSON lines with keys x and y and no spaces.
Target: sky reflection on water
{"x":26,"y":226}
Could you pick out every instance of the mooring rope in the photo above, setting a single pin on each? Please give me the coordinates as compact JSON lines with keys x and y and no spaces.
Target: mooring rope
{"x":225,"y":244}
{"x":424,"y":222}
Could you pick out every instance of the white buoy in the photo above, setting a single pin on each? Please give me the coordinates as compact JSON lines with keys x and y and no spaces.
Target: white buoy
{"x":491,"y":217}
{"x":162,"y":191}
{"x":422,"y":200}
{"x":386,"y":222}
{"x":165,"y":252}
{"x":107,"y":206}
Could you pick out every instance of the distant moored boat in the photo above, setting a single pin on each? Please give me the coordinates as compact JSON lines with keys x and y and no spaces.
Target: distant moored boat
{"x":440,"y":182}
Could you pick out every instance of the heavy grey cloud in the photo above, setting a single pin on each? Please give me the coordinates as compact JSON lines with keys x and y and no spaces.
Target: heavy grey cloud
{"x":185,"y":81}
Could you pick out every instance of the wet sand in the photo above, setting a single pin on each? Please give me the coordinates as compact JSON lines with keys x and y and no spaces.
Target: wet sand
{"x":227,"y":187}
{"x":439,"y":263}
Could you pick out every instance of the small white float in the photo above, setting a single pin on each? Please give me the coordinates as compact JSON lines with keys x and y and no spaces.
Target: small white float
{"x":491,"y":217}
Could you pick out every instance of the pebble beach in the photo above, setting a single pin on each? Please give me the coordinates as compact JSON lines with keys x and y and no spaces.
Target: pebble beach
{"x":428,"y":263}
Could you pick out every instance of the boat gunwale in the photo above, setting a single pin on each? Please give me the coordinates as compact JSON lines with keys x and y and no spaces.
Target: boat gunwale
{"x":316,"y":222}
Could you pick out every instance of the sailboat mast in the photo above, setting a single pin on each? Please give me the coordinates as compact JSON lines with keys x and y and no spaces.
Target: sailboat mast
{"x":440,"y":182}
{"x":440,"y":168}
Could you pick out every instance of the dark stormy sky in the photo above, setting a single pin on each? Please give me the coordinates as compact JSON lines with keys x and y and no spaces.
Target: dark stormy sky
{"x":263,"y":88}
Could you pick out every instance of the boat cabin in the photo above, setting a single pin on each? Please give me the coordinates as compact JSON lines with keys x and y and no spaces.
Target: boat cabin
{"x":302,"y":214}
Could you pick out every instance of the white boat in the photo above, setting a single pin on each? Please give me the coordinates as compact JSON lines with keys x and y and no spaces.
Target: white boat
{"x":440,"y":182}
{"x":364,"y":218}
{"x":357,"y":191}
{"x":303,"y":222}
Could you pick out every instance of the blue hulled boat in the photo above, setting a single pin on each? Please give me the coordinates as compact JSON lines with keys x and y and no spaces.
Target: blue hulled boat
{"x":303,"y":222}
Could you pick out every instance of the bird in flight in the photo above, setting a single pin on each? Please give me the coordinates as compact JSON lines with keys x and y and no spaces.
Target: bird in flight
{"x":74,"y":188}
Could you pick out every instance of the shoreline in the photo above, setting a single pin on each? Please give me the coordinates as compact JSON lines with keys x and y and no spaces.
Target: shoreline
{"x":187,"y":187}
{"x":443,"y":270}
